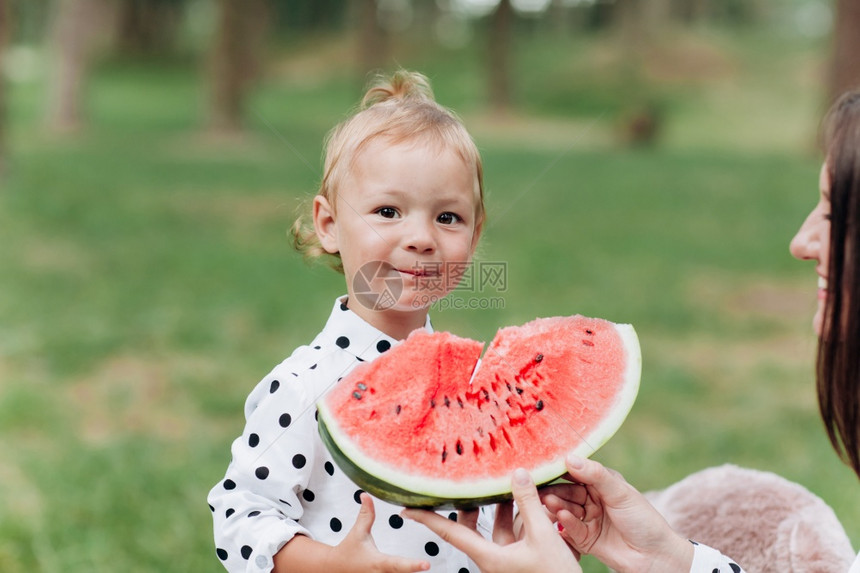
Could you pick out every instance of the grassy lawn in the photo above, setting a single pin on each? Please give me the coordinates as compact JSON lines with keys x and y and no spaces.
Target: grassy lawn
{"x":147,"y":282}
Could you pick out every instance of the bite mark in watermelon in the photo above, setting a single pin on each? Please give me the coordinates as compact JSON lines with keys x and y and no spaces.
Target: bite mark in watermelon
{"x":431,"y":424}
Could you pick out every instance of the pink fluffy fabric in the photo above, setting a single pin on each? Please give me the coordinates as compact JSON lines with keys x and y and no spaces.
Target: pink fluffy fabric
{"x":762,"y":521}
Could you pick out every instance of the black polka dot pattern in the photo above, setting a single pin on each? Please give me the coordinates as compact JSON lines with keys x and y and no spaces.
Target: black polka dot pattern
{"x":280,"y":470}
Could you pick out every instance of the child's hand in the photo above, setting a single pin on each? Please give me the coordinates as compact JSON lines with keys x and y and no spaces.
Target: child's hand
{"x":357,"y":552}
{"x":540,"y":549}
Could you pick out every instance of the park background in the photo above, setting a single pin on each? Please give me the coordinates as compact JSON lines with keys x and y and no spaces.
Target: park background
{"x":646,"y":161}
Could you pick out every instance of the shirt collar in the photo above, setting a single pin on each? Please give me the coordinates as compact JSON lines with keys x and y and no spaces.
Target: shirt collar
{"x":354,"y":335}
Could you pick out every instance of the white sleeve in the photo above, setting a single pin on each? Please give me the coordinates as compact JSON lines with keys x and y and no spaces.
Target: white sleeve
{"x":709,"y":560}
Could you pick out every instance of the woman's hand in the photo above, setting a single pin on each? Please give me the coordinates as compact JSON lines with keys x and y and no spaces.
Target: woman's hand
{"x":539,"y":549}
{"x":601,"y":514}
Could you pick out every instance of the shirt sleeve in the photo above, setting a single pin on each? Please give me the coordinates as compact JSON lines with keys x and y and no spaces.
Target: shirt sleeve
{"x":256,"y":508}
{"x":709,"y":560}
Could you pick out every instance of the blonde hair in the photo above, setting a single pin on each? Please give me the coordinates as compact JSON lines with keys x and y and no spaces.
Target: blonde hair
{"x":401,"y":109}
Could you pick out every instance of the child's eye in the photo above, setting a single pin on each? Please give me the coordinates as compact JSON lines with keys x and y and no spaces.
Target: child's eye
{"x":387,"y":212}
{"x":448,"y":218}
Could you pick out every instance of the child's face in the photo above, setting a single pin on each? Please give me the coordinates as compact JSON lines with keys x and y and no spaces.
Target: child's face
{"x":404,"y":218}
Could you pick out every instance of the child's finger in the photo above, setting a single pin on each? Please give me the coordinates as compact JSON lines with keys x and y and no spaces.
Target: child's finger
{"x":503,"y":526}
{"x":366,"y":515}
{"x":468,"y":518}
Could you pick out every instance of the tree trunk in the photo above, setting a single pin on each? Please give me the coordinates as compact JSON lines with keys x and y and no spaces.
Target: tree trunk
{"x":373,"y":41}
{"x":845,"y":71}
{"x":5,"y":33}
{"x":235,"y":62}
{"x":146,"y":26}
{"x":500,"y":57}
{"x":74,"y":28}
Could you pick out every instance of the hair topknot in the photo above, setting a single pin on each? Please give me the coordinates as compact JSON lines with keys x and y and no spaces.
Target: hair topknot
{"x":402,"y":85}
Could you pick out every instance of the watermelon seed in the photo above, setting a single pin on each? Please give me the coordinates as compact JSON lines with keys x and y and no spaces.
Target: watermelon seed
{"x":447,"y":402}
{"x":356,"y":395}
{"x":361,"y":386}
{"x":459,"y":401}
{"x":510,"y":388}
{"x":432,"y":403}
{"x":588,"y":343}
{"x":539,"y":357}
{"x":519,"y":390}
{"x":397,"y":410}
{"x":444,"y":454}
{"x":459,"y":448}
{"x":539,"y":405}
{"x":589,"y":331}
{"x":486,"y":394}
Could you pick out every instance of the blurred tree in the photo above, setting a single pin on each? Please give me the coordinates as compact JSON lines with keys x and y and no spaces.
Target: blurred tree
{"x":148,"y":26}
{"x":235,"y":60}
{"x":5,"y":32}
{"x":373,"y":39}
{"x":845,"y":71}
{"x":499,"y":61}
{"x":75,"y":28}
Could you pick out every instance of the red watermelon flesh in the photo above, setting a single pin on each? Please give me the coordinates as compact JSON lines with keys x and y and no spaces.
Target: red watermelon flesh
{"x":421,"y":426}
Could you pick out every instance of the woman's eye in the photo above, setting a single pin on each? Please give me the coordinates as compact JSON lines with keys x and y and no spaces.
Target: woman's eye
{"x":387,"y":212}
{"x":448,"y":218}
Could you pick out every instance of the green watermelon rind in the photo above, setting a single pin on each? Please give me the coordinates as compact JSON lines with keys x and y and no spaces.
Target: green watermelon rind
{"x":410,"y":490}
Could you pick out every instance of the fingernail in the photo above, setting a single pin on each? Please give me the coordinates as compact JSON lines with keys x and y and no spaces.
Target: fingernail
{"x":575,"y":461}
{"x":522,"y":477}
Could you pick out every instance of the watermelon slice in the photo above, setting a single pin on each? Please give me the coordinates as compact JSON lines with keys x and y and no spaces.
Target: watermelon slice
{"x":430,"y":424}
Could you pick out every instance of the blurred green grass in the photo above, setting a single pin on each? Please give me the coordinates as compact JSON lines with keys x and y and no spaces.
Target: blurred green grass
{"x":147,"y":281}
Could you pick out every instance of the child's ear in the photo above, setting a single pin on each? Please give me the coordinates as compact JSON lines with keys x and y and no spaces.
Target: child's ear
{"x":476,"y":236}
{"x":324,"y":224}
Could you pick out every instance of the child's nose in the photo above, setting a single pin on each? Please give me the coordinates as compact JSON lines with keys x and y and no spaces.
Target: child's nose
{"x":421,"y":240}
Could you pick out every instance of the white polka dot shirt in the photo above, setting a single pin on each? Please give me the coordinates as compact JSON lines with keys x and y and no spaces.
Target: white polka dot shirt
{"x":282,"y":480}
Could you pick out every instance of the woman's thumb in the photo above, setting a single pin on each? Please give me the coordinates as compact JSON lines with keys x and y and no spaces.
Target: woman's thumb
{"x":528,"y":501}
{"x":366,"y":515}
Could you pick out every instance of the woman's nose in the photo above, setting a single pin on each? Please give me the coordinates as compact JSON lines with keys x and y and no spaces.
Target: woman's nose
{"x":806,"y":244}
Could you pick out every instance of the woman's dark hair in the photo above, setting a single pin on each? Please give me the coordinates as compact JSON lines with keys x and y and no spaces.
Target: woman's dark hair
{"x":838,"y":366}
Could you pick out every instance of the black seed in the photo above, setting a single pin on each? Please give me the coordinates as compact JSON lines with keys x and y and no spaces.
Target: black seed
{"x":361,"y":386}
{"x":519,"y":390}
{"x":459,"y":401}
{"x":486,"y":394}
{"x":447,"y":402}
{"x":395,"y":521}
{"x":356,"y":395}
{"x":397,"y":409}
{"x":432,"y":403}
{"x":459,"y":448}
{"x":589,"y":331}
{"x":539,"y":357}
{"x":444,"y":455}
{"x":539,"y":405}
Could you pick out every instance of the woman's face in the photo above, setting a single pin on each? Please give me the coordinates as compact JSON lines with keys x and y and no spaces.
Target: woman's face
{"x":812,"y":242}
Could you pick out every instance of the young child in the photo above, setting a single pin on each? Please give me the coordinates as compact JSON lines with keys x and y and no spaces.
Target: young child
{"x":400,"y":209}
